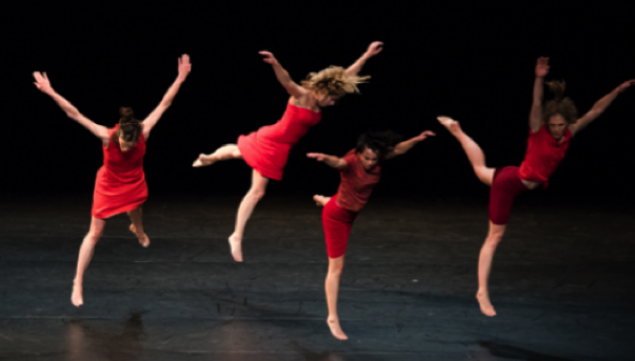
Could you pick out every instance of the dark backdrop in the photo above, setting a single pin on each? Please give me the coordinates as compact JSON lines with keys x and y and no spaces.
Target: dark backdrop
{"x":463,"y":59}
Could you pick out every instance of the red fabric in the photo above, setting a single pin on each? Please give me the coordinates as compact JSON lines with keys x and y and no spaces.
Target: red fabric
{"x":267,"y":149}
{"x":357,"y":183}
{"x":121,"y":183}
{"x":337,"y":223}
{"x":505,"y":187}
{"x":544,"y":154}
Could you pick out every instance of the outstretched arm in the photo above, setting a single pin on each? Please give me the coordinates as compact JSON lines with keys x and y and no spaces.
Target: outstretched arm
{"x":151,"y":120}
{"x":535,"y":116}
{"x":43,"y":83}
{"x":599,"y":107}
{"x":330,"y":160}
{"x":373,"y":49}
{"x":406,"y":145}
{"x":292,"y":88}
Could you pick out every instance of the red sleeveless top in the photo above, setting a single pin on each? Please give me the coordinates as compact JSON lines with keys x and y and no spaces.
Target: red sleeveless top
{"x":357,"y":183}
{"x":544,"y":154}
{"x":121,"y":183}
{"x":267,"y":149}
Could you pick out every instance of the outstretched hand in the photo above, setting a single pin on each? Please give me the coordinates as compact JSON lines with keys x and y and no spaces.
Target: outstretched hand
{"x":184,"y":66}
{"x":317,"y":156}
{"x":424,"y":135}
{"x":269,"y":58}
{"x":42,"y":82}
{"x":374,"y":48}
{"x":542,"y":67}
{"x":625,"y":85}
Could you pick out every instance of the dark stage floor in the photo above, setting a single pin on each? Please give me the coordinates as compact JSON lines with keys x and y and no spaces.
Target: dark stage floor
{"x":562,"y":283}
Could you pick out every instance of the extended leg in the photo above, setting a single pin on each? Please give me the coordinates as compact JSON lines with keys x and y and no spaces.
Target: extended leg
{"x":332,"y":286}
{"x":247,"y":205}
{"x":136,"y":227}
{"x":226,"y":152}
{"x":85,"y":254}
{"x":485,"y":267}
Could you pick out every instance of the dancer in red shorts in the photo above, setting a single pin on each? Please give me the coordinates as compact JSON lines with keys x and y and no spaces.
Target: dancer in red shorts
{"x":551,"y":128}
{"x":267,"y":149}
{"x":121,"y":184}
{"x":360,"y":171}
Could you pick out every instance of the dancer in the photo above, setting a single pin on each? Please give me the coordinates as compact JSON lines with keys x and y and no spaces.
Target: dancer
{"x":360,"y":171}
{"x":267,"y":150}
{"x":120,"y":185}
{"x":551,"y":128}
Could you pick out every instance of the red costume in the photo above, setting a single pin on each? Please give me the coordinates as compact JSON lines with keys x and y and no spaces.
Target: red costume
{"x":339,"y":213}
{"x":121,"y":183}
{"x":544,"y":154}
{"x":267,"y":149}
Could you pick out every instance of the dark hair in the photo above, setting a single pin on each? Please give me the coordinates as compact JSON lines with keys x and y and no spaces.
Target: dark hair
{"x":129,"y":127}
{"x":381,"y":142}
{"x":559,"y":105}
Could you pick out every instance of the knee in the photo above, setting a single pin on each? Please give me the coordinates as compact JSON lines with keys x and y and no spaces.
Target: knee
{"x":336,"y":272}
{"x":257,"y":193}
{"x":494,"y":239}
{"x":93,"y":237}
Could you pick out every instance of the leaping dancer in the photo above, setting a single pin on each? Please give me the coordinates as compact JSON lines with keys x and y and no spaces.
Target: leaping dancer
{"x":120,"y":185}
{"x":267,"y":150}
{"x":360,"y":171}
{"x":551,"y":128}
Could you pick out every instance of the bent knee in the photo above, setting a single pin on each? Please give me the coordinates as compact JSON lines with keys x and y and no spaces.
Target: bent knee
{"x":257,"y":193}
{"x":484,"y":174}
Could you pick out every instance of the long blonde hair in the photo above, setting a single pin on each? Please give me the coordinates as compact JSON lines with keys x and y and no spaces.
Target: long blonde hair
{"x":334,"y":81}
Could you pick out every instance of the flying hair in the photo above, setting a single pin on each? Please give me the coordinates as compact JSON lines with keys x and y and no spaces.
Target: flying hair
{"x":129,"y":127}
{"x":560,"y":104}
{"x":334,"y":81}
{"x":381,"y":142}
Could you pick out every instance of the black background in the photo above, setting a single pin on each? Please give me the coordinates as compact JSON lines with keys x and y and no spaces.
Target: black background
{"x":465,"y":59}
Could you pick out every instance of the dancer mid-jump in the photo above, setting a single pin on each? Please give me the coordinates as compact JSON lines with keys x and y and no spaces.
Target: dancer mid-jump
{"x":551,"y":128}
{"x":121,"y":184}
{"x":360,"y":171}
{"x":267,"y":150}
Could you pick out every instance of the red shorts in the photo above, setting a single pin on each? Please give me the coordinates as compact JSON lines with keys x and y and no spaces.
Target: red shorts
{"x":337,"y":223}
{"x":505,"y":186}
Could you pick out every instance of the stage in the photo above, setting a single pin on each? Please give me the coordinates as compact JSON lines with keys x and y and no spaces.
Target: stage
{"x":562,"y":282}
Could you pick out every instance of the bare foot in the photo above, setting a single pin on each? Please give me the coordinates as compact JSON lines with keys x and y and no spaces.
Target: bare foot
{"x":76,"y":297}
{"x":336,"y":330}
{"x":450,"y":124}
{"x":235,"y":243}
{"x":203,"y":160}
{"x":320,"y":200}
{"x":486,"y":306}
{"x":144,"y":240}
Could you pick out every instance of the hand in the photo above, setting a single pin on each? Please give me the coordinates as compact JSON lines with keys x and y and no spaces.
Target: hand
{"x":374,"y":48}
{"x":42,"y":82}
{"x":625,"y":85}
{"x":184,"y":66}
{"x":424,"y":135}
{"x":317,"y":156}
{"x":269,"y":58}
{"x":542,"y":67}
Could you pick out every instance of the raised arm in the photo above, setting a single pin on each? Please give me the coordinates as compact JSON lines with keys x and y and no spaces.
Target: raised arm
{"x":535,"y":116}
{"x":292,"y":87}
{"x":330,"y":160}
{"x":599,"y":107}
{"x":406,"y":145}
{"x":151,"y":120}
{"x":373,"y":49}
{"x":43,"y":83}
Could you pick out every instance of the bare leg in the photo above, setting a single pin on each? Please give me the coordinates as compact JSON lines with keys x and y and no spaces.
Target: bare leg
{"x":226,"y":152}
{"x":474,"y":152}
{"x":256,"y":192}
{"x":485,"y":266}
{"x":136,"y":227}
{"x":321,"y":200}
{"x":332,"y":286}
{"x":85,"y":254}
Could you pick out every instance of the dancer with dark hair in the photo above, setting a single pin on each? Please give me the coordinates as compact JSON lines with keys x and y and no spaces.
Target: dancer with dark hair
{"x":360,"y":171}
{"x":267,"y":150}
{"x":551,"y":128}
{"x":120,"y":185}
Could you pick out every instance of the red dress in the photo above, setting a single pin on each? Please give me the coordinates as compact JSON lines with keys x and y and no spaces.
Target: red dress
{"x":267,"y":149}
{"x":121,"y":183}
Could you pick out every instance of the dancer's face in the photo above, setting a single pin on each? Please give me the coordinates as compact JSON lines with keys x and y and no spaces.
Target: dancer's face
{"x":326,"y":100}
{"x":125,"y":145}
{"x":368,"y":158}
{"x":556,"y":126}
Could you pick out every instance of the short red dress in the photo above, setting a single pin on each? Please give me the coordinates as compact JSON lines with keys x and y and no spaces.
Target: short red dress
{"x":267,"y":149}
{"x":121,"y":183}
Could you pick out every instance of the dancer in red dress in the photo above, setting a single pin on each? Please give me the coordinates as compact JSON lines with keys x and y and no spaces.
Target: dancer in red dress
{"x":120,"y":186}
{"x":551,"y":129}
{"x":267,"y":149}
{"x":360,"y":171}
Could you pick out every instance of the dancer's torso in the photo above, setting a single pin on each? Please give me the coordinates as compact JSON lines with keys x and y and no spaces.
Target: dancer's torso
{"x":357,"y":183}
{"x":295,"y":123}
{"x":123,"y":167}
{"x":544,"y":154}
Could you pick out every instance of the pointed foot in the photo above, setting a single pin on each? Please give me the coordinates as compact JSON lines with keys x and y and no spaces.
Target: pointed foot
{"x":486,"y":306}
{"x":336,"y":329}
{"x":235,"y":245}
